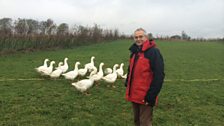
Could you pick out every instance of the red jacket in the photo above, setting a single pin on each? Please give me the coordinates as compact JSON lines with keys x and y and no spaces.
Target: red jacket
{"x":141,"y":74}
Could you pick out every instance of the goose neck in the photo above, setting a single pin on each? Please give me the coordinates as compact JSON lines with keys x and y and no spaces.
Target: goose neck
{"x":76,"y":66}
{"x":92,"y":61}
{"x":114,"y":69}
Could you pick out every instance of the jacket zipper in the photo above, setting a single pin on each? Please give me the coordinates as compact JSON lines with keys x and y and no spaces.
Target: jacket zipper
{"x":136,"y":56}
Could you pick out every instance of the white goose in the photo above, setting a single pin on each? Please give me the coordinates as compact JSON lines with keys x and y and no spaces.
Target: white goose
{"x":71,"y":75}
{"x":83,"y":85}
{"x":111,"y":78}
{"x":48,"y":70}
{"x":90,"y":66}
{"x":59,"y":65}
{"x":93,"y":72}
{"x":64,"y":68}
{"x":108,"y":71}
{"x":82,"y":72}
{"x":56,"y":73}
{"x":124,"y":76}
{"x":120,"y":71}
{"x":44,"y":66}
{"x":99,"y":75}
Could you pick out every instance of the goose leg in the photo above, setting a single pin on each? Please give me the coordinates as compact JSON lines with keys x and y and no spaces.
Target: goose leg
{"x":113,"y":86}
{"x":78,"y":78}
{"x":87,"y":93}
{"x":97,"y":83}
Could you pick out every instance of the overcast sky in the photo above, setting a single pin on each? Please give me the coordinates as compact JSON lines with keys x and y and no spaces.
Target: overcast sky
{"x":198,"y":18}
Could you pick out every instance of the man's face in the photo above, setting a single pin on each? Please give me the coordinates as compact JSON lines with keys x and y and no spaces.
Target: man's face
{"x":139,"y":37}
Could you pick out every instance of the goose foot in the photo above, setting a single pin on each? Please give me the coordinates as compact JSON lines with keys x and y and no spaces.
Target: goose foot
{"x":87,"y":93}
{"x":97,"y":83}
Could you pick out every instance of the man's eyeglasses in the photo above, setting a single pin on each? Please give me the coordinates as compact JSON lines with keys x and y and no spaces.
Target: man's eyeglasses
{"x":140,"y":36}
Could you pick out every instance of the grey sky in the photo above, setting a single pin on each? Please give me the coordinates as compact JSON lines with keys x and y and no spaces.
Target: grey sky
{"x":198,"y":18}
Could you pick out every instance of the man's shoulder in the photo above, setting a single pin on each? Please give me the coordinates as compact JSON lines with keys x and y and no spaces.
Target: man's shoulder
{"x":152,"y":50}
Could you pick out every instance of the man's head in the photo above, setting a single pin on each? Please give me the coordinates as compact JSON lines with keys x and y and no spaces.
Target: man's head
{"x":140,"y":36}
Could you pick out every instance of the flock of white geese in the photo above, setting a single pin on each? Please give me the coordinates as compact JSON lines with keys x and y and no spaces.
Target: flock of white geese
{"x":108,"y":75}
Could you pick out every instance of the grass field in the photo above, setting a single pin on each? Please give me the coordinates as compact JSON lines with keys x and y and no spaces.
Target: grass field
{"x":192,"y":94}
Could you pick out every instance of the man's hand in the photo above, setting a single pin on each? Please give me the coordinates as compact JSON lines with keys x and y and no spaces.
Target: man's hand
{"x":146,"y":103}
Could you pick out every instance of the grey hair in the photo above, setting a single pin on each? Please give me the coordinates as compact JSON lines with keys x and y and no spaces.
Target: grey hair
{"x":140,"y":29}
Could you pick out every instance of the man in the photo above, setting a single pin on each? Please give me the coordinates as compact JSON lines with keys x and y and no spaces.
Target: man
{"x":145,"y":77}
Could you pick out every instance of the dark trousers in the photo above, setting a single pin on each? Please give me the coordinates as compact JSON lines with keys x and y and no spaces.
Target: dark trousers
{"x":142,"y":114}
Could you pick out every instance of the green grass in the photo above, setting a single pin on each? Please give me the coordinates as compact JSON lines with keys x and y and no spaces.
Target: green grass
{"x":57,"y":103}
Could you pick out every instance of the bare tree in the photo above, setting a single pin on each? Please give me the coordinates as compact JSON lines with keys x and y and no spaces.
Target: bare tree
{"x":6,"y":26}
{"x":50,"y":27}
{"x":52,"y":30}
{"x":185,"y":36}
{"x":74,"y":30}
{"x":96,"y":33}
{"x":42,"y":27}
{"x":63,"y":29}
{"x":116,"y":34}
{"x":21,"y":26}
{"x":33,"y":26}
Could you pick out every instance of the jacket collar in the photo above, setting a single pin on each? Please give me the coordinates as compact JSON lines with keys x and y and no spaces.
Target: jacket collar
{"x":146,"y":45}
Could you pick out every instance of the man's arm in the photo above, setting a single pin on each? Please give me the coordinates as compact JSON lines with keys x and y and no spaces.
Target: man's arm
{"x":157,"y":67}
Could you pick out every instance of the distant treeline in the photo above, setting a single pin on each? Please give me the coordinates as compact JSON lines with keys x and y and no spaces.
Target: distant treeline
{"x":185,"y":37}
{"x":29,"y":34}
